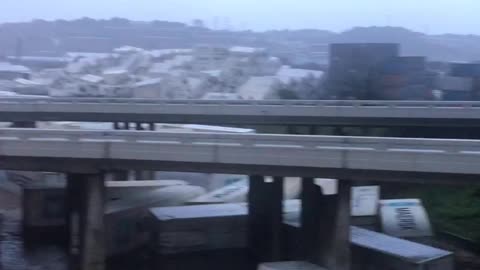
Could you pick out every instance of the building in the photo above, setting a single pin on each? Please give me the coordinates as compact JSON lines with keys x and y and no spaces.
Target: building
{"x":116,"y":76}
{"x":149,"y":88}
{"x":11,"y":72}
{"x":353,"y":70}
{"x":221,"y":96}
{"x":286,"y":74}
{"x":460,"y":82}
{"x":31,"y":87}
{"x":207,"y":58}
{"x":404,"y":78}
{"x":257,"y":88}
{"x":39,"y":62}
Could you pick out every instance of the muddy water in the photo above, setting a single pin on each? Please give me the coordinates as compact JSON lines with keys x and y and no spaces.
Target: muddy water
{"x":15,"y":255}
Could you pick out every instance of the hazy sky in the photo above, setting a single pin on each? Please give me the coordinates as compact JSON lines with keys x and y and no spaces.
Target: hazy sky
{"x":432,"y":16}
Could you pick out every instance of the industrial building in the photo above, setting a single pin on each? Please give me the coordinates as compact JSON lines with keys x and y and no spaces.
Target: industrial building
{"x":377,"y":71}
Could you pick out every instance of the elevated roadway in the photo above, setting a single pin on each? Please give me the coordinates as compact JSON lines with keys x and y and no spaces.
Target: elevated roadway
{"x":356,"y":158}
{"x":228,"y":112}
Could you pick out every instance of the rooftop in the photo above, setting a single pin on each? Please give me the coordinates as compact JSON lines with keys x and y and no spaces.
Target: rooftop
{"x":257,"y":88}
{"x":246,"y":50}
{"x":7,"y":67}
{"x":91,"y":78}
{"x":148,"y":82}
{"x":287,"y":74}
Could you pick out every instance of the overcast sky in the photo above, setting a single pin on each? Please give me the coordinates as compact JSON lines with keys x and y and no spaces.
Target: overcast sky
{"x":431,"y":16}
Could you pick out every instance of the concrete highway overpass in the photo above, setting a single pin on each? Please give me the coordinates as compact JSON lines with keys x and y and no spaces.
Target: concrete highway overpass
{"x":234,"y":112}
{"x":86,"y":155}
{"x":353,"y":158}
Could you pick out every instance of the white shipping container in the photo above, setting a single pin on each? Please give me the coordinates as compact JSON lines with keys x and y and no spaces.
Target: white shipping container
{"x":365,"y":201}
{"x":378,"y":250}
{"x":390,"y":253}
{"x":405,"y":218}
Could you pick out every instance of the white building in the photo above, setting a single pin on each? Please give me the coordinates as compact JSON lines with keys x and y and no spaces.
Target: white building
{"x":10,"y":72}
{"x":116,"y":76}
{"x":286,"y":74}
{"x":30,"y":87}
{"x":239,"y":51}
{"x":257,"y":88}
{"x":149,"y":88}
{"x":208,"y":58}
{"x":221,"y":96}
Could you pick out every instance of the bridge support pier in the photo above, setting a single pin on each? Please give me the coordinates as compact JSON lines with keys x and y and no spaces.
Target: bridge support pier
{"x":325,"y":221}
{"x":120,"y":175}
{"x":151,"y":126}
{"x":139,"y":174}
{"x":265,"y":205}
{"x":85,"y":218}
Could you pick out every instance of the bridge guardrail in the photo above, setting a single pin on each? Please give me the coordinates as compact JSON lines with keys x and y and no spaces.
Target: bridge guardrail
{"x":310,"y":103}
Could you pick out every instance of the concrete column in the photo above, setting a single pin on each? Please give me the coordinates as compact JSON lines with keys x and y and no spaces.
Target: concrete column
{"x":74,"y":196}
{"x":151,"y":126}
{"x":120,"y":175}
{"x":86,"y":197}
{"x":144,"y":175}
{"x":138,"y":126}
{"x":309,"y":219}
{"x":265,"y":204}
{"x":148,"y":175}
{"x":93,"y":227}
{"x":291,"y":129}
{"x":326,"y":225}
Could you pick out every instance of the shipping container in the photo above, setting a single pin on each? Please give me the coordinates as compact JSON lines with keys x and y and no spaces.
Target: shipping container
{"x":406,"y":218}
{"x":127,"y":220}
{"x":196,"y":228}
{"x":390,"y":253}
{"x":373,"y":250}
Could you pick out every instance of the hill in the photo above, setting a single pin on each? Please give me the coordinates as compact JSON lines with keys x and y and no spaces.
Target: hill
{"x":53,"y":38}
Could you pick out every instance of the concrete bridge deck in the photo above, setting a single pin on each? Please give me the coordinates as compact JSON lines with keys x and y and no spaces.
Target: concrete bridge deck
{"x":243,"y":112}
{"x":355,"y":158}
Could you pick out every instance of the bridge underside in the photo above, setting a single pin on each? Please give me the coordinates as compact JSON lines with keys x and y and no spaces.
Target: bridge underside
{"x":94,"y":166}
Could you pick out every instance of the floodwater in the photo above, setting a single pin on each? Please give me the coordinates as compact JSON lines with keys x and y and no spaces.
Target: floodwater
{"x":16,"y":254}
